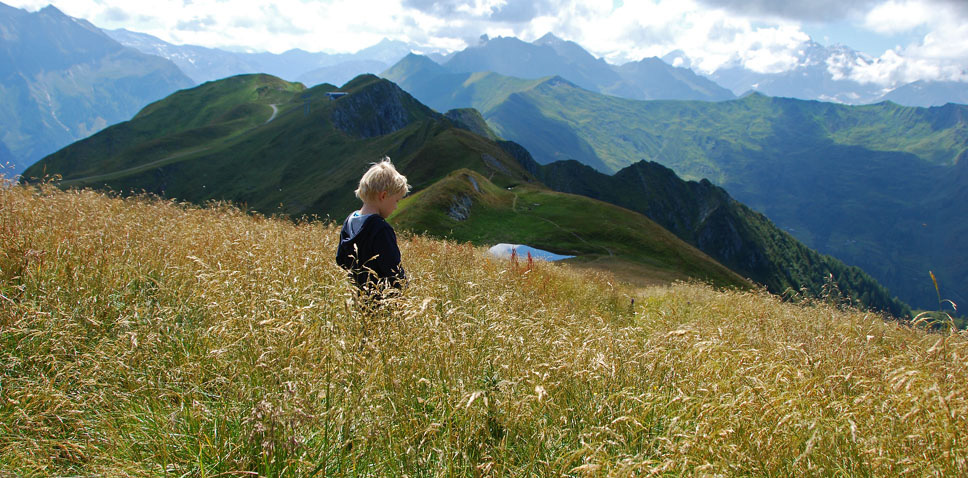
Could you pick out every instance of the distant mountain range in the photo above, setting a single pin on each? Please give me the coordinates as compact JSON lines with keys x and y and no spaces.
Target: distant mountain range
{"x":851,"y":181}
{"x":62,"y":79}
{"x":648,"y":79}
{"x":929,"y":93}
{"x":821,"y":73}
{"x":206,"y":64}
{"x":278,"y":147}
{"x":827,"y":74}
{"x":811,"y":79}
{"x":82,"y":97}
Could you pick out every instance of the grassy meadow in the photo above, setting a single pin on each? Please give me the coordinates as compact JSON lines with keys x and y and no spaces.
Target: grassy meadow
{"x":141,"y":337}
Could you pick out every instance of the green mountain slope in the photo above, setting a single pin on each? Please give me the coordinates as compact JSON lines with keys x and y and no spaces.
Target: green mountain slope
{"x":852,"y":182}
{"x":466,"y":206}
{"x":275,"y":146}
{"x":871,"y":185}
{"x":281,"y":148}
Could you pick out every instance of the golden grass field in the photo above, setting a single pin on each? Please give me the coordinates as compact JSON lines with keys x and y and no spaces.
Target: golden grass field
{"x":140,"y":337}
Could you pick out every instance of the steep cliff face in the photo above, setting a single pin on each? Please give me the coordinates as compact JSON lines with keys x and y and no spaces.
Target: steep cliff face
{"x":375,"y":108}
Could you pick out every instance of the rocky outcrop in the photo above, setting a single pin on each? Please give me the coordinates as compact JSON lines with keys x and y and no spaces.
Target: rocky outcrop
{"x":460,"y":207}
{"x":471,"y":120}
{"x":377,"y":109}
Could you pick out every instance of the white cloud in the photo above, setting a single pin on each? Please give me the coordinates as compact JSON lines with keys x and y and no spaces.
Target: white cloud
{"x":761,"y":35}
{"x":940,"y":54}
{"x":711,"y":38}
{"x":894,"y":16}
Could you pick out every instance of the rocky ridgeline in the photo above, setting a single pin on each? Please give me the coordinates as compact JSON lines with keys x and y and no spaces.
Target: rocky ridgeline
{"x":377,"y":109}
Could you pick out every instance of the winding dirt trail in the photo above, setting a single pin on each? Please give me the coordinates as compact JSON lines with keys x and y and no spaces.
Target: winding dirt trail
{"x":275,"y":111}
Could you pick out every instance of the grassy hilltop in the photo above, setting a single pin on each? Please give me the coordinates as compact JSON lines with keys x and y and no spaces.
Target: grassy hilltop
{"x":146,"y":338}
{"x":603,"y":236}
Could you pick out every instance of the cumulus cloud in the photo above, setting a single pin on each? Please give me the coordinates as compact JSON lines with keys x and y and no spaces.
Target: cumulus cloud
{"x":894,"y":17}
{"x":710,"y":38}
{"x":116,"y":14}
{"x":940,"y":54}
{"x":815,"y":10}
{"x":500,"y":11}
{"x":763,"y":35}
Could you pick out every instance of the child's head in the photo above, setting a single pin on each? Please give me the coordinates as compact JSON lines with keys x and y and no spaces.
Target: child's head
{"x":382,"y":183}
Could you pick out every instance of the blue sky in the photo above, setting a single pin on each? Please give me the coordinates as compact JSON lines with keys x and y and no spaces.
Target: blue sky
{"x":903,"y":40}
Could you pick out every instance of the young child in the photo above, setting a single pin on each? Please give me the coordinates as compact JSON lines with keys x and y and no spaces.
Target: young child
{"x":367,"y":244}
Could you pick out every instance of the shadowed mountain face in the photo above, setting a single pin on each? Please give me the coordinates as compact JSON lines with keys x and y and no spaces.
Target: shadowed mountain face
{"x":62,"y":79}
{"x":850,"y":181}
{"x":707,"y":217}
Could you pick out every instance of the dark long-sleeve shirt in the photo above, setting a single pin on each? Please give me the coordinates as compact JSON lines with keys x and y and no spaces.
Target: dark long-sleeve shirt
{"x":368,"y":250}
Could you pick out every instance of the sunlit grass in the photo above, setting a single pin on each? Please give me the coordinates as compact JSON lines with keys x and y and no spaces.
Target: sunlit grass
{"x":142,"y":337}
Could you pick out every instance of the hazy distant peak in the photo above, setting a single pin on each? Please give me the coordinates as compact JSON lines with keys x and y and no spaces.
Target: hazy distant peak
{"x":416,"y":60}
{"x":414,"y":56}
{"x":677,"y":58}
{"x":53,"y":13}
{"x":557,"y":80}
{"x":752,"y":94}
{"x":548,"y":39}
{"x":51,"y":10}
{"x":8,"y":10}
{"x":387,"y":50}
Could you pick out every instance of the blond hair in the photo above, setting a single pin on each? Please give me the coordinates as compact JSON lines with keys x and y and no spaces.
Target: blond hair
{"x":381,"y":176}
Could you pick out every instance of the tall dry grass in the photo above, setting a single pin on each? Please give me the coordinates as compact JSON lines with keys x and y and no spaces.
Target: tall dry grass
{"x":143,"y":337}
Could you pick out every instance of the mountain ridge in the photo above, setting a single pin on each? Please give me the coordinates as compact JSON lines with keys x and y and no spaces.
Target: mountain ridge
{"x":222,"y":147}
{"x":62,"y":79}
{"x":841,"y":178}
{"x":707,"y":217}
{"x":552,"y":56}
{"x":308,"y":158}
{"x":468,"y":207}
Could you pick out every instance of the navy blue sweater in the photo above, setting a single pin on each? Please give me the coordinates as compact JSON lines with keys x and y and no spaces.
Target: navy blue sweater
{"x":368,"y":250}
